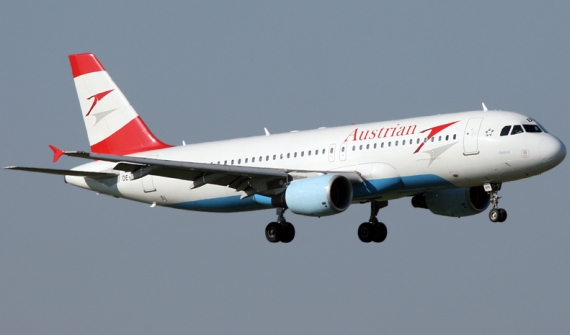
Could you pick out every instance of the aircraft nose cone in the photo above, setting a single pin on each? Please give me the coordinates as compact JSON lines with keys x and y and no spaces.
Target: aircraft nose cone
{"x":552,"y":150}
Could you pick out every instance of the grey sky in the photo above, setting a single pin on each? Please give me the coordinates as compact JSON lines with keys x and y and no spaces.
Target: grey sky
{"x":73,"y":262}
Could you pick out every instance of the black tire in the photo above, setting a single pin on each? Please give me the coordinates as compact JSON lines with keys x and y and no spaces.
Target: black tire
{"x":494,"y":215}
{"x":288,"y":233}
{"x":366,"y":232}
{"x":381,"y":231}
{"x":273,"y":232}
{"x":502,"y":215}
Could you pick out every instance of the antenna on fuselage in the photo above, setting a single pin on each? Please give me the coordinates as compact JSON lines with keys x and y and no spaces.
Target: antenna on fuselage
{"x":266,"y":132}
{"x":484,"y":107}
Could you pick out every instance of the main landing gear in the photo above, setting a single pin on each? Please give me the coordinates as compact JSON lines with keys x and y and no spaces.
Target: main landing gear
{"x":280,"y":231}
{"x":373,"y":231}
{"x":495,"y":214}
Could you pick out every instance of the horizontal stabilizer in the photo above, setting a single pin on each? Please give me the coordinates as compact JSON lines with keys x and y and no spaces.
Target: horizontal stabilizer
{"x":64,"y":172}
{"x":56,"y":152}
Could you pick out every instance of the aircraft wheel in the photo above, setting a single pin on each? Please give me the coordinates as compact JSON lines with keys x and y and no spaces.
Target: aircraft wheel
{"x":366,"y":232}
{"x":288,"y":233}
{"x":494,"y":215}
{"x":273,"y":232}
{"x":381,"y":232}
{"x":502,"y":215}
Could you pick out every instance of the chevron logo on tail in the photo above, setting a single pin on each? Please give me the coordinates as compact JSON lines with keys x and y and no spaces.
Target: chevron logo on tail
{"x":96,"y":98}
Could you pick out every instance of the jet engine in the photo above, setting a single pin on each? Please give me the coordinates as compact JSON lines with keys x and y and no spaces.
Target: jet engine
{"x":456,"y":202}
{"x":317,"y":196}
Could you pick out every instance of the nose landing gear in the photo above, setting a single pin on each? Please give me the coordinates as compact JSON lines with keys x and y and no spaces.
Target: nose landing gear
{"x":495,"y":214}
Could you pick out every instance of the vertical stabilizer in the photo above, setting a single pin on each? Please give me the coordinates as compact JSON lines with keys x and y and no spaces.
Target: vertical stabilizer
{"x":113,"y":126}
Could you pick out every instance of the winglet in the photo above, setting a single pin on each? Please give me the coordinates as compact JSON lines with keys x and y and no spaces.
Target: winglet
{"x":56,"y":153}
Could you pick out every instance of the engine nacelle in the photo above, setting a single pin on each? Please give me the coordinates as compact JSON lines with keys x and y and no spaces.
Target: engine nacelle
{"x":319,"y":196}
{"x":456,"y":202}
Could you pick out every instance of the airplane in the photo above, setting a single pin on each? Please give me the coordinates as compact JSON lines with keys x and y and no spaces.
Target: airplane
{"x":452,"y":164}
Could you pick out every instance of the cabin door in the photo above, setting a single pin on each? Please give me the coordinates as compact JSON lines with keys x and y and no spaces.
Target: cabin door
{"x":147,"y":182}
{"x":471,"y":135}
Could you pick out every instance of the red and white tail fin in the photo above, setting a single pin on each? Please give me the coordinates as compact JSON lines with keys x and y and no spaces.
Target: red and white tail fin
{"x":113,"y":126}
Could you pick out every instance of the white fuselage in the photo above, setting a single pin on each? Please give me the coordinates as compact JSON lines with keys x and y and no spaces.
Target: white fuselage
{"x":395,"y":159}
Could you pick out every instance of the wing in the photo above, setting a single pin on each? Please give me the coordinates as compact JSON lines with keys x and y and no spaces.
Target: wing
{"x":250,"y":180}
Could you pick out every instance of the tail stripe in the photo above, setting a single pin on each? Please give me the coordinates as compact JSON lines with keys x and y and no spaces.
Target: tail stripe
{"x":133,"y":137}
{"x":84,"y":63}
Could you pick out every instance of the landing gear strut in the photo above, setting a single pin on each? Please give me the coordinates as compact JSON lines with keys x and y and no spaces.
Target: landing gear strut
{"x":496,"y":214}
{"x":373,"y":231}
{"x":280,"y":231}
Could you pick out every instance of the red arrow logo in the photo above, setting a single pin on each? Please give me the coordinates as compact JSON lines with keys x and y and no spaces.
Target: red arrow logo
{"x":96,"y":98}
{"x":433,"y":132}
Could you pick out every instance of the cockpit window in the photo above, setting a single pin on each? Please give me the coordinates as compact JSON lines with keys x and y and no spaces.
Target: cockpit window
{"x":541,"y":127}
{"x":517,"y":130}
{"x":532,"y":128}
{"x":505,"y":130}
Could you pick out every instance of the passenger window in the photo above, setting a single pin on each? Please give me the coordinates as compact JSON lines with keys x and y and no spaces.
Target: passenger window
{"x":447,"y":137}
{"x":325,"y":151}
{"x":309,"y":153}
{"x":517,"y":130}
{"x":253,"y":159}
{"x":295,"y":155}
{"x":374,"y":145}
{"x":532,"y":128}
{"x":316,"y":152}
{"x":267,"y":158}
{"x":246,"y":160}
{"x":382,"y":145}
{"x":302,"y":153}
{"x":232,"y":162}
{"x":274,"y":157}
{"x":280,"y":156}
{"x":505,"y":130}
{"x":454,"y":136}
{"x":367,"y":146}
{"x":239,"y":161}
{"x":225,"y":162}
{"x":396,"y":144}
{"x":288,"y":155}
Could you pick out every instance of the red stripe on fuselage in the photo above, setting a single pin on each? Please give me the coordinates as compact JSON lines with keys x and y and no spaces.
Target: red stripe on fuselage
{"x":84,"y":63}
{"x":132,"y":138}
